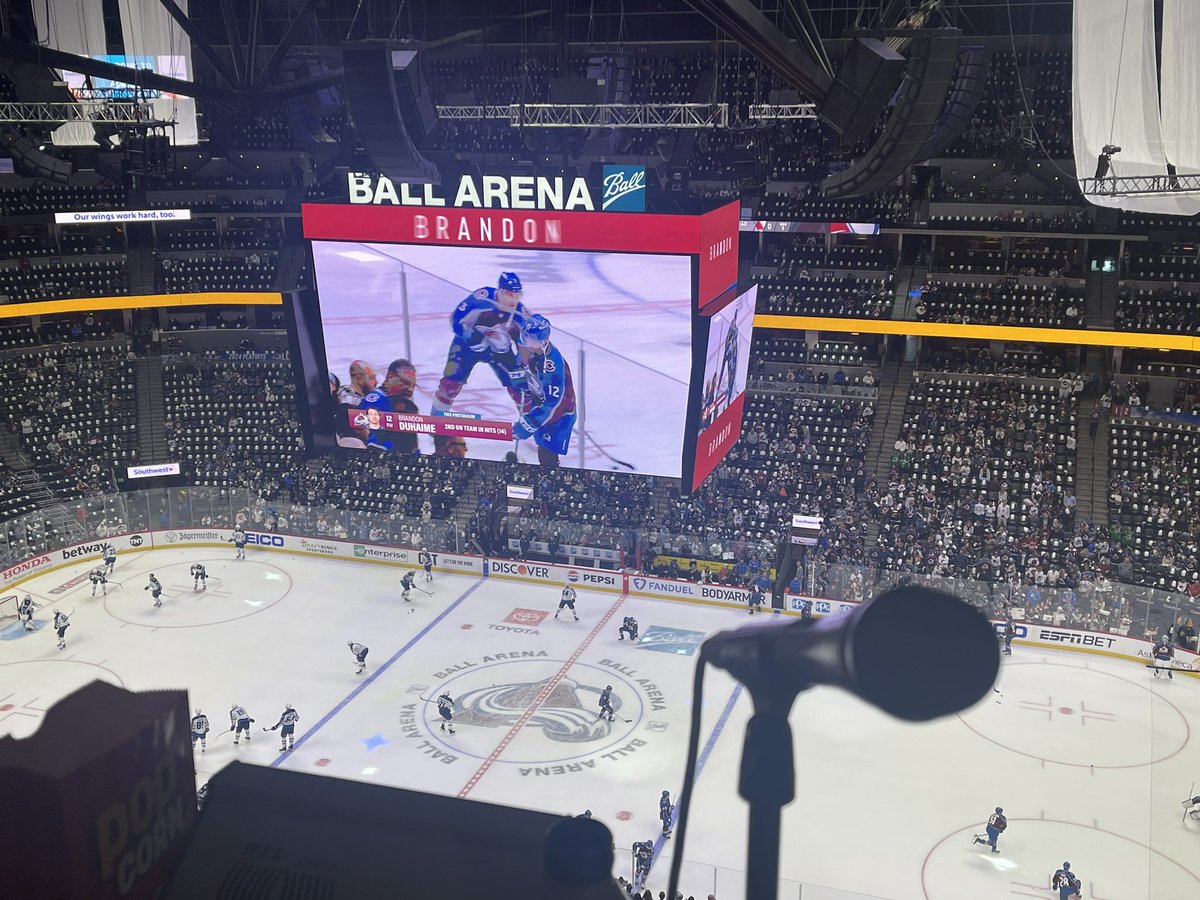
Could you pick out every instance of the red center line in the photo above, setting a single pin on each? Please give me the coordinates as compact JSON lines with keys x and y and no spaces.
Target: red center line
{"x":542,"y":696}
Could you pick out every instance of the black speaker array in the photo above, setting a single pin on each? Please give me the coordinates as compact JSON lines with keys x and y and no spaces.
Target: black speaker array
{"x":922,"y":97}
{"x":390,"y":108}
{"x":868,"y":77}
{"x":965,"y":94}
{"x":30,"y":160}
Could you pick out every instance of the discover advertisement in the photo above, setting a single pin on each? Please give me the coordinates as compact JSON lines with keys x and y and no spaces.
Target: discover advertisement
{"x":578,"y":577}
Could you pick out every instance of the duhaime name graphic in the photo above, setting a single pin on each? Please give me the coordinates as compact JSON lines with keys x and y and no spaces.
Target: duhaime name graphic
{"x":484,"y":192}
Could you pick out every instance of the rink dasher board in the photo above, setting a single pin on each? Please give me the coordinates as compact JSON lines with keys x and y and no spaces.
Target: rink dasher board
{"x":1029,"y":634}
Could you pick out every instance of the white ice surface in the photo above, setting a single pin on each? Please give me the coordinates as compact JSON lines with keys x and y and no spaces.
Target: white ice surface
{"x":1090,"y":757}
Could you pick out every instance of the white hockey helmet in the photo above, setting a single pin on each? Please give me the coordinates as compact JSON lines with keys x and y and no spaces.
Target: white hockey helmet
{"x":287,"y":706}
{"x":198,"y":711}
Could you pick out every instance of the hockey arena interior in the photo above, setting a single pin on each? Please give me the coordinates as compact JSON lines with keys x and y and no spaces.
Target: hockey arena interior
{"x":637,"y":448}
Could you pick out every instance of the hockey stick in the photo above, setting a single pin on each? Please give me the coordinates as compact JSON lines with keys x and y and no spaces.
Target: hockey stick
{"x":423,"y":591}
{"x":620,"y":462}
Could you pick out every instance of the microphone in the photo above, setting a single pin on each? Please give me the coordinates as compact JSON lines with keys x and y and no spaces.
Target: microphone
{"x":913,"y":652}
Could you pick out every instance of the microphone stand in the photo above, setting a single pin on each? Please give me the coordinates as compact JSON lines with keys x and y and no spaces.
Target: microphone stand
{"x":767,"y":780}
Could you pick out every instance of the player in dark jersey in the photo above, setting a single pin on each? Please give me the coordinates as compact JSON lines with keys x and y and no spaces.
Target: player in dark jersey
{"x":485,"y":325}
{"x":1163,"y":653}
{"x":1066,"y":882}
{"x":548,"y":407}
{"x":287,"y":722}
{"x":755,"y":600}
{"x":629,"y":626}
{"x":396,"y":395}
{"x":445,"y":705}
{"x":729,"y":359}
{"x":643,"y":856}
{"x":606,"y":707}
{"x":666,"y":809}
{"x":996,"y":824}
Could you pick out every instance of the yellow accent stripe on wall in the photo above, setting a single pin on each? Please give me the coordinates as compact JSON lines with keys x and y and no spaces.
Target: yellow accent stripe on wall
{"x":1092,"y":337}
{"x":140,"y":301}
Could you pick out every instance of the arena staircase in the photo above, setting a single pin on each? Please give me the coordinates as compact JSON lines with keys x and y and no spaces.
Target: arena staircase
{"x":895,"y":381}
{"x":22,"y":467}
{"x":152,"y":443}
{"x":1091,"y":468}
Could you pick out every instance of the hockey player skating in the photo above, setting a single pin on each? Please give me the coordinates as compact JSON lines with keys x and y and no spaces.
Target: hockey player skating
{"x":239,"y":721}
{"x":25,"y":612}
{"x":406,"y":584}
{"x":629,"y":626}
{"x":155,"y":589}
{"x":62,"y":622}
{"x":547,"y":407}
{"x":239,"y":543}
{"x":360,"y":655}
{"x":1066,"y":882}
{"x":755,"y":600}
{"x":729,"y":356}
{"x":199,"y":577}
{"x":606,"y":708}
{"x":425,"y":558}
{"x":200,"y":731}
{"x":643,"y":856}
{"x":666,"y":809}
{"x":110,"y":557}
{"x":446,"y":710}
{"x":1009,"y":632}
{"x":99,"y":579}
{"x":485,"y":325}
{"x":567,"y":601}
{"x":996,"y":824}
{"x":1163,"y":654}
{"x":287,"y":722}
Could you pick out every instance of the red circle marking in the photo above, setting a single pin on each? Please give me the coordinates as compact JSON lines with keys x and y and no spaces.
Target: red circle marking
{"x":624,"y":815}
{"x":6,"y":707}
{"x":252,"y":612}
{"x":465,"y":627}
{"x":322,"y":762}
{"x":1066,"y":710}
{"x":1187,"y":730}
{"x":968,"y":828}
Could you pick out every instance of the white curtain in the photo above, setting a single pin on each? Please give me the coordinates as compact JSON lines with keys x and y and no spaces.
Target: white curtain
{"x":149,"y":31}
{"x":72,"y":27}
{"x":1181,"y":84}
{"x":1114,"y":96}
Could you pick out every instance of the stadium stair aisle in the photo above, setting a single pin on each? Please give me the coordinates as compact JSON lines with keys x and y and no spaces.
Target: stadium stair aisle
{"x":894,"y":385}
{"x":1091,"y":477}
{"x":152,"y":445}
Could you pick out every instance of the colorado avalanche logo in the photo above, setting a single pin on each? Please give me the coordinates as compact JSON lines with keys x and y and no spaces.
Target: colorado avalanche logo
{"x":568,"y":715}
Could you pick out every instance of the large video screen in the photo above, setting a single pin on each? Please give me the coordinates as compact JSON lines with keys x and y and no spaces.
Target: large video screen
{"x":726,"y":367}
{"x":429,"y":352}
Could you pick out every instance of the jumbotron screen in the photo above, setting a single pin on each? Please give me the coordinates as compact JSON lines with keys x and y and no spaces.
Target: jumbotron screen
{"x":574,"y":358}
{"x":726,"y":366}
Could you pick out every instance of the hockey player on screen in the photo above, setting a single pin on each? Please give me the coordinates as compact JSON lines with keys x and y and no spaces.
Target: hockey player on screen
{"x":548,"y":410}
{"x":396,"y":395}
{"x":485,"y":325}
{"x":729,"y":357}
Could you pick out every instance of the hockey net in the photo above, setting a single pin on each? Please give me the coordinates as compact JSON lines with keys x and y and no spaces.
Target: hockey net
{"x":9,"y":606}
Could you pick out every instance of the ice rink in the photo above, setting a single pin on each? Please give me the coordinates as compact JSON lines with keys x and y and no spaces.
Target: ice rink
{"x":1089,"y":756}
{"x":622,"y":322}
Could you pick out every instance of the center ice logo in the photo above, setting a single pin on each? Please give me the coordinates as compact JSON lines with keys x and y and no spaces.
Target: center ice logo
{"x":567,"y":715}
{"x":624,"y":189}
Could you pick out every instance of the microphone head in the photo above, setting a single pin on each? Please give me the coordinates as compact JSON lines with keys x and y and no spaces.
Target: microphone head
{"x":919,"y":653}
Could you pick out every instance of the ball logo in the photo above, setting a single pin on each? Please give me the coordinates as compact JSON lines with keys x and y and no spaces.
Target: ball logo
{"x":624,"y":189}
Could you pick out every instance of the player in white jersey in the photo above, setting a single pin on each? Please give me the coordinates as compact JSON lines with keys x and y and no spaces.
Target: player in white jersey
{"x":406,"y":584}
{"x":26,"y":612}
{"x":155,"y":589}
{"x":99,"y":579}
{"x":360,"y":655}
{"x":199,"y":577}
{"x":287,"y":721}
{"x":425,"y":558}
{"x":239,"y":721}
{"x":446,"y":710}
{"x":110,"y":557}
{"x":567,"y":601}
{"x":239,"y":543}
{"x":200,"y":731}
{"x":61,"y":623}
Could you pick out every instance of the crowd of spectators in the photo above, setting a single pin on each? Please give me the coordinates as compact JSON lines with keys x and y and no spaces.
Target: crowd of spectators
{"x":1004,"y":301}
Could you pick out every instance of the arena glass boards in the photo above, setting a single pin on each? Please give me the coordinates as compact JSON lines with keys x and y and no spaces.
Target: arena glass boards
{"x":620,"y":319}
